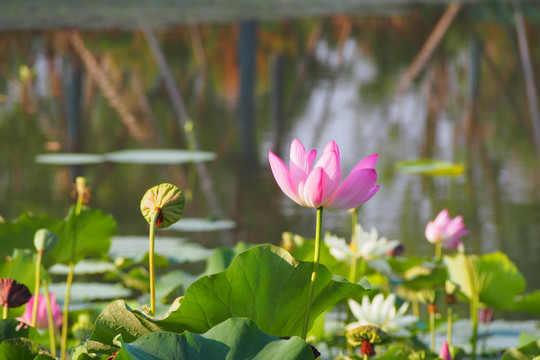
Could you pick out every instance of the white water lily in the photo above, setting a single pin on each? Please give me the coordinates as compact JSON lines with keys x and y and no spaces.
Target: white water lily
{"x":382,"y":313}
{"x":365,"y":245}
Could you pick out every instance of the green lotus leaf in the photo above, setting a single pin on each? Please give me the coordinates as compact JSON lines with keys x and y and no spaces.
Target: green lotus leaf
{"x":23,"y":349}
{"x":236,"y":338}
{"x":159,"y":156}
{"x":265,"y":284}
{"x":425,"y":276}
{"x":10,"y":329}
{"x":89,"y":234}
{"x":21,"y":266}
{"x":90,"y":291}
{"x":175,"y":249}
{"x":222,"y":257}
{"x":529,"y":303}
{"x":165,"y":199}
{"x":69,"y":159}
{"x":430,"y":167}
{"x":202,"y":225}
{"x":498,"y":279}
{"x":529,"y":351}
{"x":19,"y":234}
{"x":119,"y":319}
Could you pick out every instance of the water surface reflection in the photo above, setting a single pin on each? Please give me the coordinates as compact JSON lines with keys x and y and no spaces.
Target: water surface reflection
{"x":318,"y":79}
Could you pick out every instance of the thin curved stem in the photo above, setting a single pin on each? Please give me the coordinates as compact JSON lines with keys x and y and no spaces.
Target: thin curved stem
{"x":36,"y":288}
{"x":50,"y":319}
{"x":316,"y":257}
{"x":69,"y":280}
{"x":438,"y":251}
{"x":80,"y":183}
{"x":449,"y":325}
{"x":432,"y":329}
{"x":354,"y":260}
{"x":151,"y":264}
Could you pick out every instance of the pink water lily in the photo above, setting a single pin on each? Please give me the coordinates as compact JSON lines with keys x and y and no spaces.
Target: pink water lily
{"x":445,"y":230}
{"x":42,"y":321}
{"x":445,"y":352}
{"x":320,"y":185}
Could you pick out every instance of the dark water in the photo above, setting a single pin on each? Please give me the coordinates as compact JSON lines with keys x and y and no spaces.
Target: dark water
{"x":317,"y":78}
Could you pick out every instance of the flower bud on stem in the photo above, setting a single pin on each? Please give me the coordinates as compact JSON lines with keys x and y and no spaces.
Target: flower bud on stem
{"x":432,"y":310}
{"x":80,"y":184}
{"x":155,"y":217}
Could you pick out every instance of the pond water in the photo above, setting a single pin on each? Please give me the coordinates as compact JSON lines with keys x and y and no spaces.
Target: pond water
{"x":251,"y":86}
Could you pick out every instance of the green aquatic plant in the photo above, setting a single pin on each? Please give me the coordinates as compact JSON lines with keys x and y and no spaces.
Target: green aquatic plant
{"x":320,"y":187}
{"x":161,"y":206}
{"x":44,"y":240}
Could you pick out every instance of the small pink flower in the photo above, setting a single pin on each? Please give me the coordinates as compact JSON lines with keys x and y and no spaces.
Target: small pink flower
{"x":320,"y":186}
{"x":445,"y":230}
{"x":445,"y":352}
{"x":42,"y":321}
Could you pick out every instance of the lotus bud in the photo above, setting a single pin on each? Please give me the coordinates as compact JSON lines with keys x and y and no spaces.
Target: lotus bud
{"x":80,"y":185}
{"x":13,"y":294}
{"x":372,"y":334}
{"x":167,"y":201}
{"x":44,"y":240}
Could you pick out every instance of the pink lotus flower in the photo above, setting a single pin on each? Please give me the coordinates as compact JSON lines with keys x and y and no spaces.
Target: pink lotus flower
{"x":320,"y":186}
{"x":445,"y":230}
{"x":42,"y":321}
{"x":445,"y":352}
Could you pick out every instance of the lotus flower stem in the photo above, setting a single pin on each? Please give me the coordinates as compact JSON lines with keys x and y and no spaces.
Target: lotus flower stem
{"x":49,"y":318}
{"x":80,"y":184}
{"x":5,"y":312}
{"x":449,"y":325}
{"x":475,"y":299}
{"x":432,"y":309}
{"x":314,"y":273}
{"x":474,"y":320}
{"x":415,"y":305}
{"x":151,"y":263}
{"x":354,"y":260}
{"x":69,"y":280}
{"x":36,"y":288}
{"x":438,"y":251}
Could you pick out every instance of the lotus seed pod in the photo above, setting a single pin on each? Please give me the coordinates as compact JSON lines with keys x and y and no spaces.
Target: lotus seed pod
{"x":167,"y":201}
{"x":357,"y":335}
{"x":44,"y":240}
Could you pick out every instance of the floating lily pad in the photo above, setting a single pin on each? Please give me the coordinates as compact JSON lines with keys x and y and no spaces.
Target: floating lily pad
{"x":81,"y":292}
{"x":200,"y":224}
{"x":159,"y":156}
{"x":83,"y":267}
{"x":430,"y":167}
{"x":69,"y":159}
{"x":175,"y":249}
{"x":500,"y":335}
